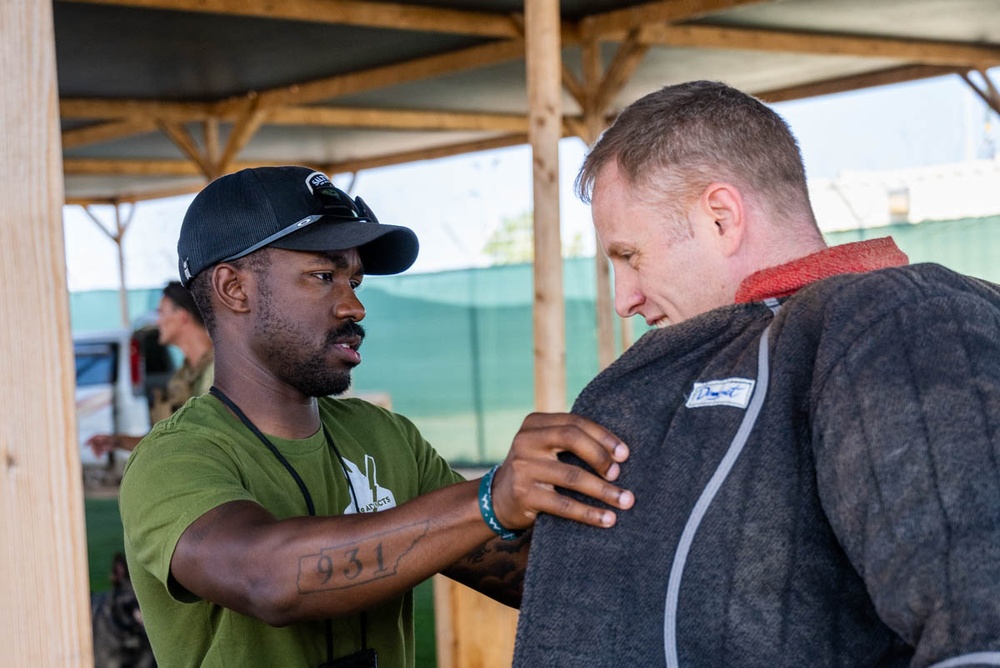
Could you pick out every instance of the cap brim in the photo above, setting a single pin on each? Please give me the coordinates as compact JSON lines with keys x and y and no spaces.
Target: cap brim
{"x":384,"y":249}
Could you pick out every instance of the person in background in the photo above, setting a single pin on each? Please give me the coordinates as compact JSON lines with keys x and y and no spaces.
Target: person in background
{"x":814,"y":432}
{"x":271,"y":523}
{"x":180,"y":324}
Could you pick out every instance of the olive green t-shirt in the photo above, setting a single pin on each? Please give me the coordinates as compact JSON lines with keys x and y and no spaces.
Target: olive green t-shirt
{"x":202,"y":457}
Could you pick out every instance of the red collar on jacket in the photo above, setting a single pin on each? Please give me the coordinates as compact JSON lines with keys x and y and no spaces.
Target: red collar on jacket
{"x":853,"y":258}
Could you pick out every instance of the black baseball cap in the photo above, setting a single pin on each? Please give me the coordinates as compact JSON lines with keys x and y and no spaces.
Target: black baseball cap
{"x":295,"y":208}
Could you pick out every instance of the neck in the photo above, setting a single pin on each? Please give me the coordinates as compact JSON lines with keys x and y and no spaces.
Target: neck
{"x":779,"y":246}
{"x":195,"y":345}
{"x":273,"y":406}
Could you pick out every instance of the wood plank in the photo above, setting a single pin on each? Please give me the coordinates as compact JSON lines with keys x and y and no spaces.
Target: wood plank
{"x":105,"y":108}
{"x":346,"y":12}
{"x":873,"y":79}
{"x":988,"y":93}
{"x":472,"y":630}
{"x":627,"y":58}
{"x":43,"y":544}
{"x":398,"y":119}
{"x":180,"y":136}
{"x":543,"y":62}
{"x":351,"y":165}
{"x":381,"y":77}
{"x":929,"y":52}
{"x":97,"y":133}
{"x":617,"y":23}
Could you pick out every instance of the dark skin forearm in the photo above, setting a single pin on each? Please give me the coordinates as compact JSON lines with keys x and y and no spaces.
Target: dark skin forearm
{"x":281,"y":571}
{"x":495,"y":568}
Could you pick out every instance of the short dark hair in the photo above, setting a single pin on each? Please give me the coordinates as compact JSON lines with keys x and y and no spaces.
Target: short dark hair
{"x":182,"y":298}
{"x":679,"y":139}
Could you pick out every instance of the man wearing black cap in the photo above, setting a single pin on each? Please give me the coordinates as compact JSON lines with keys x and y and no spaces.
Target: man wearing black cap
{"x":269,"y":524}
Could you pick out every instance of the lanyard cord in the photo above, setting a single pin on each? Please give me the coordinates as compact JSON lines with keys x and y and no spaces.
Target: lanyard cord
{"x":221,"y":396}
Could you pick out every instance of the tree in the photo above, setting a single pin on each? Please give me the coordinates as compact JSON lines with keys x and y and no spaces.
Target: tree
{"x":513,"y":242}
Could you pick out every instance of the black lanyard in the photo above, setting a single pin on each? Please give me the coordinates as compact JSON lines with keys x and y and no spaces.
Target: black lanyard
{"x":221,"y":396}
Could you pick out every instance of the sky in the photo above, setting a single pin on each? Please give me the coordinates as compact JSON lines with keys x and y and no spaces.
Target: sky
{"x":454,"y":204}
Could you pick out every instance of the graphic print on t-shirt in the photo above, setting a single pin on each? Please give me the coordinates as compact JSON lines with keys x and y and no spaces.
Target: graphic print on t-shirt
{"x":371,"y":497}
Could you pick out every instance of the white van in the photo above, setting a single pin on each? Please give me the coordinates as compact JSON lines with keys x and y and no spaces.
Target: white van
{"x":116,"y":372}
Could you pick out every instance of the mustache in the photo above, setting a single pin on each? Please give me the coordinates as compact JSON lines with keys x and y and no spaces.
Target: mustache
{"x":348,"y":329}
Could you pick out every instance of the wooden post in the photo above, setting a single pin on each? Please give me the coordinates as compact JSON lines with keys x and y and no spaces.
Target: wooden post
{"x":474,"y":631}
{"x":593,"y":116}
{"x":544,"y":73}
{"x":43,"y":557}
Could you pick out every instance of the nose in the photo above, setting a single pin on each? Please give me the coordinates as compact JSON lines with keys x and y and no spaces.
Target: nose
{"x":349,"y":307}
{"x":628,"y":297}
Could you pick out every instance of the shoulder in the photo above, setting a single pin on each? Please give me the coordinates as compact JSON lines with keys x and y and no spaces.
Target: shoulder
{"x":850,"y":304}
{"x":353,"y":411}
{"x":896,"y":285}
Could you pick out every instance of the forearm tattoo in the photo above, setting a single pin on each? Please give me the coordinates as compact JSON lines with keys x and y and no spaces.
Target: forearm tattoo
{"x":358,"y":563}
{"x":496,"y":569}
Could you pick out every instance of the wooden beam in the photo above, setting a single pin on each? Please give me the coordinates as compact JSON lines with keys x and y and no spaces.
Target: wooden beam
{"x":45,"y":618}
{"x":245,"y":128}
{"x":136,"y":196}
{"x":617,"y":23}
{"x":210,"y":132}
{"x":988,"y":93}
{"x":543,"y":62}
{"x":928,"y":52}
{"x":97,"y":133}
{"x":129,"y":167}
{"x":179,"y":135}
{"x":381,"y":77}
{"x":104,"y":108}
{"x":388,"y":15}
{"x":627,"y":59}
{"x":398,"y":119}
{"x":434,"y":153}
{"x":855,"y":82}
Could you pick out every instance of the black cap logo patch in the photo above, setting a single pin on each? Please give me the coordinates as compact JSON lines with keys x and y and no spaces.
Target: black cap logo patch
{"x":335,"y":202}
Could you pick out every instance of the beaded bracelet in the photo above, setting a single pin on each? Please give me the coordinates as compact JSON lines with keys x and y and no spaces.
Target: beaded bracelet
{"x":486,"y":508}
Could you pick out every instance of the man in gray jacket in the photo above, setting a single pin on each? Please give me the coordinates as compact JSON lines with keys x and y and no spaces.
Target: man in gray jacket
{"x":814,"y":439}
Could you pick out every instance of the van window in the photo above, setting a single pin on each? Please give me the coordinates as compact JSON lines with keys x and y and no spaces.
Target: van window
{"x":96,"y":364}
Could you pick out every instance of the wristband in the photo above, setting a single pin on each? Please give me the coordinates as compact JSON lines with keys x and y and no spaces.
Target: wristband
{"x":486,"y":508}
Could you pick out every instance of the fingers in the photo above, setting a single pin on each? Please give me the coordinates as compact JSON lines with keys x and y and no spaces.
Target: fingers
{"x":528,"y":483}
{"x":101,"y":444}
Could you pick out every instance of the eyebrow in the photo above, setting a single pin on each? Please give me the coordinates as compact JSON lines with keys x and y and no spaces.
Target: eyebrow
{"x":338,"y":258}
{"x":615,"y":249}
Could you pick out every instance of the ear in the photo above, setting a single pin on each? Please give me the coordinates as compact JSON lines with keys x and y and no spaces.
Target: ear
{"x":230,"y":285}
{"x":723,"y":203}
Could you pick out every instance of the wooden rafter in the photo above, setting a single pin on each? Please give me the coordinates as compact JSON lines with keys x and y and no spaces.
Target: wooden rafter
{"x":178,"y":134}
{"x":881,"y":77}
{"x":618,"y":23}
{"x":97,"y":133}
{"x":988,"y":93}
{"x":380,"y":77}
{"x":637,"y":28}
{"x":398,"y":119}
{"x":630,"y":53}
{"x":927,"y":52}
{"x":345,"y":12}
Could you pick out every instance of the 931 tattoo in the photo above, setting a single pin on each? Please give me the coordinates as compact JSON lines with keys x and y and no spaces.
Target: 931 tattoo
{"x":352,"y":564}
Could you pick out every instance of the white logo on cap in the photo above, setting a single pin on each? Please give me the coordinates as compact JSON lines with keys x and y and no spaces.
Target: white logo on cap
{"x":316,"y":180}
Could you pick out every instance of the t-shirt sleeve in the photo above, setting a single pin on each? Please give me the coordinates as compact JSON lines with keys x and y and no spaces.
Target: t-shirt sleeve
{"x":906,"y":433}
{"x":172,"y":479}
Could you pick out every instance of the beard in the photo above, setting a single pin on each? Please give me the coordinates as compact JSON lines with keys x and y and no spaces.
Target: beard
{"x":297,"y":358}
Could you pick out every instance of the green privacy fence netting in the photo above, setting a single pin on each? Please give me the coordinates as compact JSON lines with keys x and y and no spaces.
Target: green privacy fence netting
{"x":454,"y":350}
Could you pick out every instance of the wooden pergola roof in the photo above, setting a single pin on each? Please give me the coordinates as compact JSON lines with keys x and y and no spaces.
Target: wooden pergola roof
{"x":156,"y":96}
